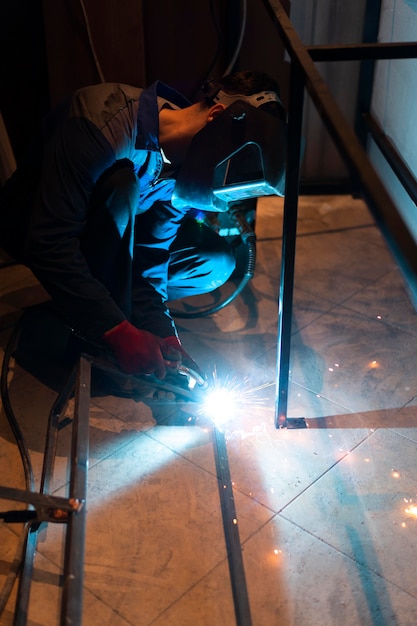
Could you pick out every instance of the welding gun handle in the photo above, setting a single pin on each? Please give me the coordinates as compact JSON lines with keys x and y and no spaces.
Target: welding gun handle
{"x":188,"y":367}
{"x":195,"y":376}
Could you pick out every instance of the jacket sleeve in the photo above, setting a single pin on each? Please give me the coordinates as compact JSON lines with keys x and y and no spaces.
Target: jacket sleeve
{"x":74,"y":157}
{"x":155,"y":231}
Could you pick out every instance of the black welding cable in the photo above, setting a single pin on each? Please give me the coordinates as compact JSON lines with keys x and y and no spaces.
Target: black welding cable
{"x":7,"y":406}
{"x":27,"y":465}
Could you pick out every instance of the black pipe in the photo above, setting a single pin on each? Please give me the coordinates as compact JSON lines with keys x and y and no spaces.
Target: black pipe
{"x":392,"y":156}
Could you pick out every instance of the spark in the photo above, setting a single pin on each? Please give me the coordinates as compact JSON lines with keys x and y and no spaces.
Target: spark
{"x":411,"y":510}
{"x":225,"y":397}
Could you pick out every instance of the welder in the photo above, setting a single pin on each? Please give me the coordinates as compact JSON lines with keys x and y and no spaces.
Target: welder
{"x":89,"y":210}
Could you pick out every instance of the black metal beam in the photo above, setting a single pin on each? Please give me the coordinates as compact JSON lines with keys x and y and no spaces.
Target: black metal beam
{"x":231,"y":531}
{"x":367,"y":67}
{"x":359,"y":52}
{"x":289,"y":232}
{"x":392,"y":156}
{"x":25,"y":580}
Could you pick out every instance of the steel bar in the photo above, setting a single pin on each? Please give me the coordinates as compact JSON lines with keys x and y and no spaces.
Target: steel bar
{"x":372,"y":20}
{"x":393,"y":158}
{"x":231,"y":531}
{"x":41,"y":500}
{"x":289,"y":232}
{"x":363,"y":51}
{"x":25,"y":581}
{"x":52,"y":431}
{"x":72,"y":596}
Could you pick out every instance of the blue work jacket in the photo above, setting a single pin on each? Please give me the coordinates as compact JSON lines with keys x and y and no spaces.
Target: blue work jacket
{"x":81,"y":139}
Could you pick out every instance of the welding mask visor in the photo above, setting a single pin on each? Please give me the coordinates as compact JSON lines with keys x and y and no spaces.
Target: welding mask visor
{"x":239,"y":155}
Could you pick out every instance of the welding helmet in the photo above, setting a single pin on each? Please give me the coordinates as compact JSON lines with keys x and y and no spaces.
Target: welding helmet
{"x":239,"y":155}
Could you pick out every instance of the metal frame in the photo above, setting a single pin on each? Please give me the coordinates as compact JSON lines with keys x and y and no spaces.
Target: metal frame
{"x":365,"y":180}
{"x":45,"y":508}
{"x":72,"y":510}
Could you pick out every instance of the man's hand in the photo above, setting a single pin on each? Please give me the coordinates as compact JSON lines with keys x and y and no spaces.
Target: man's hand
{"x":175,"y":344}
{"x":140,"y":352}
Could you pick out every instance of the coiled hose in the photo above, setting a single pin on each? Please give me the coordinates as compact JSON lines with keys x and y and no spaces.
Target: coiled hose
{"x":248,"y":236}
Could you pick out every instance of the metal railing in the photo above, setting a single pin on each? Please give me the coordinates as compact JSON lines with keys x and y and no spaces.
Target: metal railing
{"x":304,"y":76}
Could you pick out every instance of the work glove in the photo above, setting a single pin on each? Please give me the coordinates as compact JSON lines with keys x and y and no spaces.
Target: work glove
{"x":175,"y":344}
{"x":140,"y":352}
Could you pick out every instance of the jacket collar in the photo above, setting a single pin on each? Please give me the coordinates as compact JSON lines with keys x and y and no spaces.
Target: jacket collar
{"x":148,"y":113}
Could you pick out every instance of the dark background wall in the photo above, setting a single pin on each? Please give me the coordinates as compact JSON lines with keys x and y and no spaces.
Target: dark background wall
{"x":23,"y":71}
{"x":49,"y":48}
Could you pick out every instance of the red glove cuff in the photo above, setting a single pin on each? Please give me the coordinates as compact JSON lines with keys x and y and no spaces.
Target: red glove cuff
{"x":173,"y":342}
{"x":122,"y":327}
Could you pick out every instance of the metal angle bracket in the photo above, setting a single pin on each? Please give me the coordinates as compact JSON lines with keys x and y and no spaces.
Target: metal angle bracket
{"x":292,"y":423}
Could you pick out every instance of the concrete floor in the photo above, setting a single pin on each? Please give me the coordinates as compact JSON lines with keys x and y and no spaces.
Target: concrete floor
{"x":327,"y":515}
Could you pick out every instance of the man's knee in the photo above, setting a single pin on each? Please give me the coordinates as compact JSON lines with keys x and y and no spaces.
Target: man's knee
{"x":201,"y":261}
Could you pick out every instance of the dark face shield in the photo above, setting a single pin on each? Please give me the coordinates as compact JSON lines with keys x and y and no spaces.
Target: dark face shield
{"x":240,"y":154}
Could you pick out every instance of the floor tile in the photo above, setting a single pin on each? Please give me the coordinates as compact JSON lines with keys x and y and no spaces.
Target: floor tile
{"x":405,"y":421}
{"x":354,"y":361}
{"x":207,"y":603}
{"x":295,"y":578}
{"x":273,"y":466}
{"x":316,"y":214}
{"x":365,"y":507}
{"x":376,"y":301}
{"x":45,"y":601}
{"x":337,"y":265}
